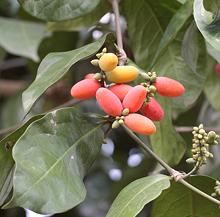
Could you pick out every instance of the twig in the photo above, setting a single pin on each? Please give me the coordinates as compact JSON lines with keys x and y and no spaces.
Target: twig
{"x":122,"y":56}
{"x":13,"y":63}
{"x":194,"y":169}
{"x":182,"y":181}
{"x":10,"y":87}
{"x":178,"y":177}
{"x":146,"y":148}
{"x":186,"y":129}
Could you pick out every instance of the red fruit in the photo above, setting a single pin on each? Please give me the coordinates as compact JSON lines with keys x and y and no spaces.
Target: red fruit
{"x":140,"y":124}
{"x":153,"y":110}
{"x":85,"y":89}
{"x":90,"y":75}
{"x":120,"y":90}
{"x":217,"y":68}
{"x":169,"y":87}
{"x":134,"y":99}
{"x":109,"y":102}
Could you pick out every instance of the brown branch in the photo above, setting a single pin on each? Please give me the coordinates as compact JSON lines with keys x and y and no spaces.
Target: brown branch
{"x":186,"y":129}
{"x":9,"y":87}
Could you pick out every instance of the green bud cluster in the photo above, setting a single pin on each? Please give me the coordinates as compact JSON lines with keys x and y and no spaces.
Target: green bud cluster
{"x":120,"y":120}
{"x":150,"y":77}
{"x":99,"y":55}
{"x":217,"y":190}
{"x":200,"y":145}
{"x":95,"y":62}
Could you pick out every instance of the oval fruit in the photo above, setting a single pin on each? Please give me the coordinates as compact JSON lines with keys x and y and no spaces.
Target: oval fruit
{"x":153,"y":110}
{"x":85,"y":89}
{"x":108,"y":61}
{"x":89,"y":76}
{"x":120,"y":90}
{"x":140,"y":124}
{"x":135,"y":98}
{"x":109,"y":102}
{"x":169,"y":87}
{"x":122,"y":74}
{"x":217,"y":68}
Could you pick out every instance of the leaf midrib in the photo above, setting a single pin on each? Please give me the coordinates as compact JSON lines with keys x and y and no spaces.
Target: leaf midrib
{"x":58,"y":160}
{"x":129,"y":201}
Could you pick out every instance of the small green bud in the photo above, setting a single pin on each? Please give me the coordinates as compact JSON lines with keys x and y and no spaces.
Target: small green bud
{"x":201,"y":131}
{"x":152,"y":89}
{"x":213,"y":194}
{"x":95,"y":62}
{"x":195,"y":128}
{"x":97,"y":76}
{"x":98,"y":55}
{"x":145,"y":76}
{"x":153,"y":78}
{"x":121,"y":121}
{"x":211,"y":137}
{"x":201,"y":126}
{"x":115,"y":124}
{"x":104,"y":50}
{"x":125,"y":111}
{"x":190,"y":161}
{"x":217,"y":182}
{"x":199,"y":136}
{"x":149,"y":73}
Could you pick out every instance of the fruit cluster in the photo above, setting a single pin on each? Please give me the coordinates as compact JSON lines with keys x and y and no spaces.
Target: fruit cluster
{"x":200,"y":147}
{"x":133,"y":106}
{"x":217,"y":189}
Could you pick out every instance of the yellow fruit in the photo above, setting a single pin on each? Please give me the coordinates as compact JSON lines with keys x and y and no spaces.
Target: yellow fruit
{"x":108,"y":61}
{"x":122,"y":74}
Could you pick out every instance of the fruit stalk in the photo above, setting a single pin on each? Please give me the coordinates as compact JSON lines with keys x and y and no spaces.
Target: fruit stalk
{"x":115,"y":7}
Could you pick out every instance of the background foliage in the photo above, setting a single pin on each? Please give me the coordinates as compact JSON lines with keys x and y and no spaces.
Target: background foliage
{"x":45,"y":47}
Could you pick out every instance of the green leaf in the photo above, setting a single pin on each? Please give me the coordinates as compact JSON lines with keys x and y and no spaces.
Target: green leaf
{"x":6,"y":160}
{"x":207,"y":21}
{"x":174,"y":26}
{"x":185,"y":61}
{"x":132,"y":199}
{"x":21,"y":38}
{"x":57,"y":10}
{"x":145,"y":34}
{"x":167,"y":143}
{"x":82,"y":22}
{"x":178,"y":200}
{"x":6,"y":167}
{"x":51,"y":157}
{"x":212,"y":87}
{"x":144,"y":31}
{"x":54,"y":66}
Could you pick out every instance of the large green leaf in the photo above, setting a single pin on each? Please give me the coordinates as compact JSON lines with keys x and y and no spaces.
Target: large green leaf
{"x":184,"y":58}
{"x":185,"y":61}
{"x":54,"y":66}
{"x":82,"y":22}
{"x":21,"y":38}
{"x":175,"y":25}
{"x":132,"y":199}
{"x":58,"y":9}
{"x":167,"y":143}
{"x":51,"y":159}
{"x":181,"y":201}
{"x":208,"y":20}
{"x":144,"y":31}
{"x":6,"y":168}
{"x":6,"y":160}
